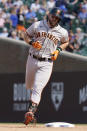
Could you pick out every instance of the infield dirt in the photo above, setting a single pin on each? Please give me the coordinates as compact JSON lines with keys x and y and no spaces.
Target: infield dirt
{"x":39,"y":127}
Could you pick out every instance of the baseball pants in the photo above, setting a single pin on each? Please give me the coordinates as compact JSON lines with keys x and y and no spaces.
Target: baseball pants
{"x":37,"y":76}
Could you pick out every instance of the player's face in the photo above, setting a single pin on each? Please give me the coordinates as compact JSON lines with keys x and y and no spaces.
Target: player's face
{"x":53,"y":20}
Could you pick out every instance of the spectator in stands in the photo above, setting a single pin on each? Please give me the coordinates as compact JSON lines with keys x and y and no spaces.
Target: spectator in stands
{"x":80,"y":37}
{"x":8,"y":5}
{"x":21,"y":19}
{"x":82,"y":14}
{"x":8,"y":23}
{"x":4,"y":33}
{"x":71,"y":2}
{"x":84,"y":4}
{"x":50,"y":4}
{"x":2,"y":22}
{"x":43,"y":7}
{"x":30,"y":14}
{"x":13,"y":35}
{"x":63,"y":15}
{"x":14,"y":18}
{"x":60,"y":2}
{"x":72,"y":42}
{"x":83,"y":25}
{"x":4,"y":14}
{"x":18,"y":3}
{"x":3,"y":1}
{"x":44,"y":4}
{"x":72,"y":5}
{"x":25,"y":10}
{"x":35,"y":6}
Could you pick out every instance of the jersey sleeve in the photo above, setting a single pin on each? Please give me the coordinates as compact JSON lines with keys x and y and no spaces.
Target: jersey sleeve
{"x":31,"y":30}
{"x":64,"y":37}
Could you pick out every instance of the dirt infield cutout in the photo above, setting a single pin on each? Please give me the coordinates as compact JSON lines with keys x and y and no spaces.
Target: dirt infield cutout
{"x":38,"y":127}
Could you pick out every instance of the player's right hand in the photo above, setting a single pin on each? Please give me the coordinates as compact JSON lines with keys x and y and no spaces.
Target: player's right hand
{"x":54,"y":55}
{"x":37,"y":45}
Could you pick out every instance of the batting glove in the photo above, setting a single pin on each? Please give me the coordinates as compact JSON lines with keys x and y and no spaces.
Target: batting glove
{"x":36,"y":44}
{"x":55,"y":54}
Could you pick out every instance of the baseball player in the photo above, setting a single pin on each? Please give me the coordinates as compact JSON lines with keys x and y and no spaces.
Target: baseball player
{"x":43,"y":37}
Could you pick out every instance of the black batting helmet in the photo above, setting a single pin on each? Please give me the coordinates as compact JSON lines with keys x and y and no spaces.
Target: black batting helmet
{"x":56,"y":12}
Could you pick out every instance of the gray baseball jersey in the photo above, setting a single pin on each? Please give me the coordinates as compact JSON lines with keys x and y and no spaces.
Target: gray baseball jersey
{"x":48,"y":37}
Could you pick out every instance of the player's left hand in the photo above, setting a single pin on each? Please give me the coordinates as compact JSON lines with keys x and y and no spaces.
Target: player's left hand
{"x":54,"y":55}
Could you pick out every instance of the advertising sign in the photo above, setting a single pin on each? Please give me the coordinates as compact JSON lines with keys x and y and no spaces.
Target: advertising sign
{"x":63,"y":99}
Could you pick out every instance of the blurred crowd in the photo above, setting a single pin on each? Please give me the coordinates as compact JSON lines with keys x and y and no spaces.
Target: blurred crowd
{"x":17,"y":15}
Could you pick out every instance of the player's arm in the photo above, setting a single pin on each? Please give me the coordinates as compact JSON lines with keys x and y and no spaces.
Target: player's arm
{"x":63,"y":45}
{"x":57,"y":51}
{"x":28,"y":39}
{"x":29,"y":35}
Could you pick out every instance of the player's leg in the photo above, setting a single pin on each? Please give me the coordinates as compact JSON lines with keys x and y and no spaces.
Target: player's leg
{"x":30,"y":72}
{"x":29,"y":116}
{"x":31,"y":69}
{"x":42,"y":77}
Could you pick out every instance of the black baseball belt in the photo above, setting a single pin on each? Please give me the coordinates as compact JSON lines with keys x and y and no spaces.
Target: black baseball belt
{"x":40,"y":58}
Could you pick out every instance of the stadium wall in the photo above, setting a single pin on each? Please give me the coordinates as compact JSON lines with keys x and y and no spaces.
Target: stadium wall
{"x":66,"y":97}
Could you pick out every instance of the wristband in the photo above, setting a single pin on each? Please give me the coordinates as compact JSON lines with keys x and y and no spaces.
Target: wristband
{"x":59,"y":49}
{"x":31,"y":42}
